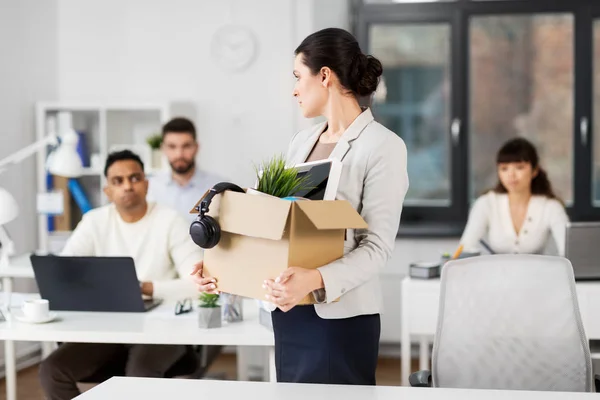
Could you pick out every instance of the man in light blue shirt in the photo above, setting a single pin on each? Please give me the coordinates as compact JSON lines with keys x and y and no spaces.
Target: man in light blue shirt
{"x":183,"y":185}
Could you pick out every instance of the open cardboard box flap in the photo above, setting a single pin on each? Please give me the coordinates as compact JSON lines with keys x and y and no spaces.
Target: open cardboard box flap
{"x":337,"y":214}
{"x":249,"y":215}
{"x":267,"y":217}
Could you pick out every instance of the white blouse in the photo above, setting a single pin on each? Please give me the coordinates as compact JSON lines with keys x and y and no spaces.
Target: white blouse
{"x":490,"y":219}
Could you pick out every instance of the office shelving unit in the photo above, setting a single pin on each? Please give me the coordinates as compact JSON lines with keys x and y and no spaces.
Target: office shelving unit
{"x":103,"y":127}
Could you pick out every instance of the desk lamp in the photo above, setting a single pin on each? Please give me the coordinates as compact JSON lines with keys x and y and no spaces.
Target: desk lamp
{"x":62,"y":161}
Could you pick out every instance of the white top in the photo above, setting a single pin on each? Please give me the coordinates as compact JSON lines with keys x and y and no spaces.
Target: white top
{"x":155,"y":388}
{"x":162,"y":189}
{"x":159,"y":243}
{"x":490,"y":220}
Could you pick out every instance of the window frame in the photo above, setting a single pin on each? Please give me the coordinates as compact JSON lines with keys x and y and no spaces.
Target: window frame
{"x":450,"y":221}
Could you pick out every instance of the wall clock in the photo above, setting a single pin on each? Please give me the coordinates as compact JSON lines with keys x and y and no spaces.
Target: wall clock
{"x":234,"y":47}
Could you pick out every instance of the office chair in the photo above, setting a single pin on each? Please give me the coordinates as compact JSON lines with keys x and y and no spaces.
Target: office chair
{"x":509,"y":322}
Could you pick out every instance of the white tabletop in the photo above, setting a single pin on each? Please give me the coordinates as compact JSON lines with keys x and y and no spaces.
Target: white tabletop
{"x":187,"y":389}
{"x":158,"y":326}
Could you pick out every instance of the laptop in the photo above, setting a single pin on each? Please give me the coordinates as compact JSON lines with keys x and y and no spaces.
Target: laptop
{"x":107,"y":284}
{"x":581,"y":248}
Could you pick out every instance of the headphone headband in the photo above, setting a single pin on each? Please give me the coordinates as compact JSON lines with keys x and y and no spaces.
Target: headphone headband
{"x":215,"y":190}
{"x":205,"y":230}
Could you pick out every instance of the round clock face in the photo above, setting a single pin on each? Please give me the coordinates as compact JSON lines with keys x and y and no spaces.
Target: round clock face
{"x":234,"y":47}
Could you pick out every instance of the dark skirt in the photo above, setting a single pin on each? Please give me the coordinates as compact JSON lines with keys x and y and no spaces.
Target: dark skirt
{"x":310,"y":349}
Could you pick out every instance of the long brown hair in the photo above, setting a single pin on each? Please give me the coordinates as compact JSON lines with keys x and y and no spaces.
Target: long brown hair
{"x":521,"y":150}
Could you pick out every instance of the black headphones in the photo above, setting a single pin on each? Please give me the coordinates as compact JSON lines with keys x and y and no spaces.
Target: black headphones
{"x":205,"y":230}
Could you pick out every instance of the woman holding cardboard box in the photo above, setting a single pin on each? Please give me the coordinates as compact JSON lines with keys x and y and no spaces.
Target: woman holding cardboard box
{"x":337,"y":340}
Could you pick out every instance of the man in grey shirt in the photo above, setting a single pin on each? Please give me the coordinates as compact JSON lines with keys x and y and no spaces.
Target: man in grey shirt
{"x":181,"y":186}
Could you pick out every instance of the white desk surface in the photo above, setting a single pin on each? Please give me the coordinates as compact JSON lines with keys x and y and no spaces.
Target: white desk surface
{"x":157,"y":326}
{"x":187,"y":389}
{"x":426,"y":293}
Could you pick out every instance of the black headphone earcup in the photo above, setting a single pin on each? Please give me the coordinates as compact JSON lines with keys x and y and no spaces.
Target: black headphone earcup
{"x":198,"y":232}
{"x":213,"y":231}
{"x":205,"y":232}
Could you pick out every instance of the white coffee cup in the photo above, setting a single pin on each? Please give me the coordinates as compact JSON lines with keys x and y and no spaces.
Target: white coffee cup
{"x":36,"y":310}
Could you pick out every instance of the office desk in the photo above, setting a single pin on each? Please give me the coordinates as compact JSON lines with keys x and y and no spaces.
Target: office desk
{"x":420,"y":302}
{"x":120,"y":388}
{"x":158,"y":326}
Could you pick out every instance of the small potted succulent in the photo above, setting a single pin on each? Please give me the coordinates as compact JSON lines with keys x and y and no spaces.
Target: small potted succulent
{"x":154,"y":141}
{"x":209,"y":314}
{"x":274,"y":178}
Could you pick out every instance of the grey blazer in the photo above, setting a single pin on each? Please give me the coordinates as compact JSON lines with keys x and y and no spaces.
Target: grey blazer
{"x":374,"y":180}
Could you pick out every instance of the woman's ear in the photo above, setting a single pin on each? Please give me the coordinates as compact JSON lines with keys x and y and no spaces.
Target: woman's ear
{"x":325,"y":73}
{"x":535,"y":172}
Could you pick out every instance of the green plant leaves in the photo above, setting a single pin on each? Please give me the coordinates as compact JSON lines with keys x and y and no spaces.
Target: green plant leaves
{"x":279,"y":181}
{"x":209,"y":300}
{"x":154,"y":141}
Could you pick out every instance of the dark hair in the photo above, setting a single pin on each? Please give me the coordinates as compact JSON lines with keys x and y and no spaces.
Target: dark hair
{"x":179,"y":125}
{"x":121,"y":156}
{"x":338,"y":49}
{"x":521,"y":150}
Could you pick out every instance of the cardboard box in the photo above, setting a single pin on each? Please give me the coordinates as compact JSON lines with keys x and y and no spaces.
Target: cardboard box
{"x":262,"y":235}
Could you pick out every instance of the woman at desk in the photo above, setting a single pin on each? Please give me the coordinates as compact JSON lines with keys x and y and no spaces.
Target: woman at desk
{"x":337,"y":341}
{"x":522,"y":211}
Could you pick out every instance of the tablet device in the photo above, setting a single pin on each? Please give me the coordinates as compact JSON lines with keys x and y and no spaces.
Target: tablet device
{"x":323,"y":178}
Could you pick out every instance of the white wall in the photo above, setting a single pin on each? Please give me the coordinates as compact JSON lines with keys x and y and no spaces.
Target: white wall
{"x":334,"y":15}
{"x":140,"y":50}
{"x":28,"y":73}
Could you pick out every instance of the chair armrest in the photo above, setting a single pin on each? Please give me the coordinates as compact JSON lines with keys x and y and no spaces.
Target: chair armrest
{"x":420,"y":379}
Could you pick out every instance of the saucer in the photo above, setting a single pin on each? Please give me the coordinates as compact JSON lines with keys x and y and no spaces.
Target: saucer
{"x":19,"y":316}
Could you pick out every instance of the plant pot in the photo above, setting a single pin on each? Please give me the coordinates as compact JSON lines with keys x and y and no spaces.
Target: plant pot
{"x":209,"y":317}
{"x":156,"y":159}
{"x":231,"y":306}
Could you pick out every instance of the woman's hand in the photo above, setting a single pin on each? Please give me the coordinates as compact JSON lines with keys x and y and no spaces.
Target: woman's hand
{"x":205,"y":284}
{"x":291,"y":286}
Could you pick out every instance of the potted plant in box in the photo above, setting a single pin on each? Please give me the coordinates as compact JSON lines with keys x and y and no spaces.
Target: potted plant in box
{"x":154,"y":142}
{"x":209,"y":315}
{"x":274,"y":178}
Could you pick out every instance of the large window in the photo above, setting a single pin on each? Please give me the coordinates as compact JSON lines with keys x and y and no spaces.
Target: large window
{"x":462,"y":77}
{"x":413,"y":101}
{"x":596,"y":117}
{"x":521,"y":84}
